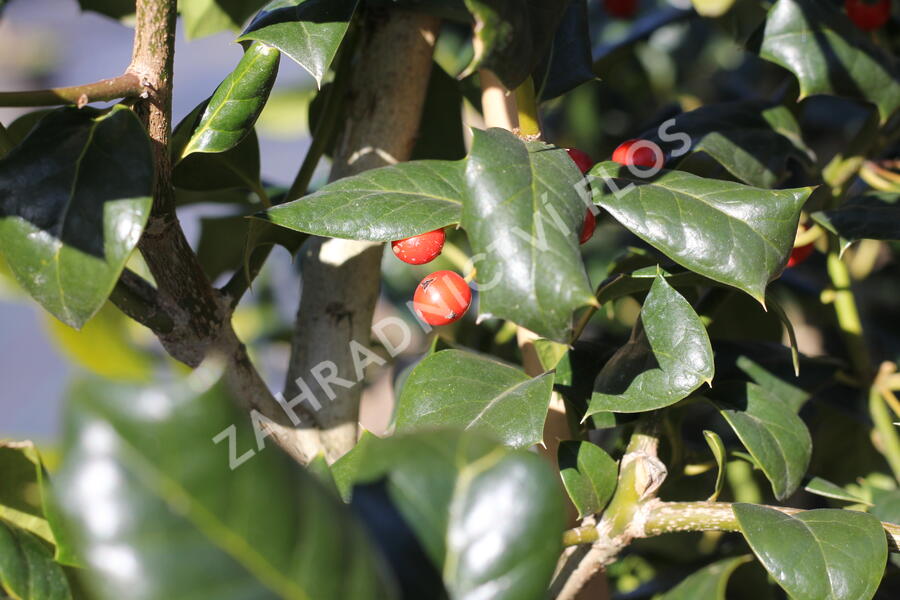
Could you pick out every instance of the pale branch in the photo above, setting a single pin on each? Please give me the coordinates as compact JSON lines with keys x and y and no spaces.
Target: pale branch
{"x":341,"y":278}
{"x":672,"y":517}
{"x":127,"y":85}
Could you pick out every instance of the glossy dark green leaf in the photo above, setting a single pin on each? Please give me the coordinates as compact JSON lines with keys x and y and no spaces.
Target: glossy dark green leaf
{"x":522,"y":215}
{"x":380,"y":205}
{"x":732,"y":233}
{"x":589,"y":475}
{"x":26,"y":499}
{"x":74,"y":198}
{"x":641,"y":280}
{"x":464,"y":390}
{"x":826,"y":489}
{"x":567,"y":64}
{"x":344,"y":469}
{"x":709,"y":583}
{"x":116,"y":9}
{"x":512,"y":36}
{"x":829,"y":54}
{"x":484,"y":513}
{"x":752,"y":140}
{"x":206,"y":17}
{"x":873,"y":216}
{"x":771,"y":432}
{"x":220,"y":249}
{"x":823,"y":554}
{"x":171,"y":496}
{"x":717,"y":447}
{"x":232,"y":110}
{"x":667,"y":357}
{"x":27,"y":568}
{"x":549,"y":353}
{"x":308,"y":31}
{"x":779,"y":312}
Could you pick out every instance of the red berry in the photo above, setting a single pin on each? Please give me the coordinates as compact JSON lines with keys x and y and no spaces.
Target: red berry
{"x":868,"y":14}
{"x":623,"y":9}
{"x":442,"y":298}
{"x":590,"y":224}
{"x":420,"y":249}
{"x":799,"y":254}
{"x":582,"y":159}
{"x":643,"y":155}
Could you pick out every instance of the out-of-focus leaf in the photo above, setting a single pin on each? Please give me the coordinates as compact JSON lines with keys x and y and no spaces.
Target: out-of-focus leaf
{"x":775,"y":306}
{"x":549,"y":352}
{"x":26,"y":500}
{"x":770,"y":430}
{"x":589,"y":475}
{"x":735,"y":234}
{"x":232,"y":110}
{"x":318,"y":466}
{"x":344,"y":469}
{"x":709,"y":583}
{"x":712,"y":8}
{"x":829,"y":54}
{"x":817,"y":554}
{"x":512,"y":36}
{"x":522,"y":215}
{"x":484,"y":513}
{"x":667,"y":357}
{"x":752,"y":140}
{"x":567,"y":63}
{"x":103,"y":346}
{"x":308,"y":31}
{"x":206,"y":17}
{"x":389,"y":203}
{"x":717,"y":447}
{"x":146,"y":466}
{"x":27,"y":568}
{"x":826,"y":489}
{"x":462,"y":389}
{"x":873,"y":216}
{"x":74,"y":198}
{"x":116,"y":9}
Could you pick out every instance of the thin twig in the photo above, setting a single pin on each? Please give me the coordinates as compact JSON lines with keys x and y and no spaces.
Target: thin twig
{"x":127,"y":85}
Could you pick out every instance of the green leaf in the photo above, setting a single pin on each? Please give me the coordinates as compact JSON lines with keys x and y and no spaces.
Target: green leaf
{"x":318,"y":466}
{"x":829,"y":54}
{"x":483,"y":513}
{"x":589,"y":475}
{"x":709,"y":583}
{"x":237,"y":102}
{"x":26,"y":499}
{"x":770,"y":430}
{"x":145,"y":466}
{"x":385,"y":204}
{"x":826,"y":489}
{"x":308,"y":31}
{"x":873,"y":216}
{"x":823,"y":554}
{"x":752,"y":140}
{"x":522,"y":215}
{"x":717,"y":447}
{"x":74,"y":198}
{"x":206,"y":17}
{"x":454,"y":10}
{"x":452,"y":388}
{"x":120,"y":359}
{"x":27,"y":568}
{"x":641,"y":280}
{"x":440,"y":134}
{"x":512,"y":36}
{"x":549,"y":353}
{"x":116,"y":9}
{"x":567,"y":63}
{"x":788,"y":328}
{"x":667,"y":357}
{"x":344,"y":469}
{"x":734,"y":234}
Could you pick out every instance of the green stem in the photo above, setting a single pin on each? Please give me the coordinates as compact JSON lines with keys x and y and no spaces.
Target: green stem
{"x":847,"y":313}
{"x":886,"y":430}
{"x":6,"y":141}
{"x":128,"y":85}
{"x":526,"y":102}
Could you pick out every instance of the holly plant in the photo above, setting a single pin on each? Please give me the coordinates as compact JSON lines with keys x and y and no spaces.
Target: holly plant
{"x":610,"y":285}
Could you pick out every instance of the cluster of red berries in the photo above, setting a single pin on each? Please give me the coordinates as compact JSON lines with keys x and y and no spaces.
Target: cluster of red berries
{"x":622,"y":9}
{"x":443,"y":296}
{"x":868,"y":15}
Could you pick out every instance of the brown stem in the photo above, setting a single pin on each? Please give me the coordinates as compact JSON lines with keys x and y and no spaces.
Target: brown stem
{"x":128,"y":85}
